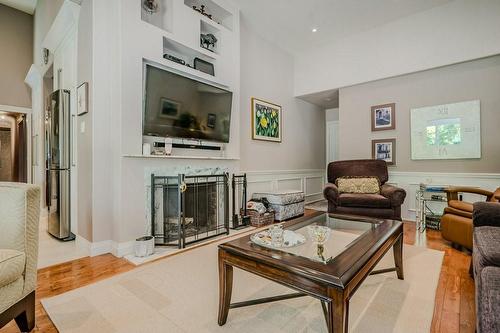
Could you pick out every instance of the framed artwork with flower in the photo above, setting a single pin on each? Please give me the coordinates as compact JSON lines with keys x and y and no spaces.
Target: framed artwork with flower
{"x":266,"y":121}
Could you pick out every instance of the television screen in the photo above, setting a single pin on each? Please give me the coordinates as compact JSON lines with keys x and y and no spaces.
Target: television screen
{"x":178,"y":107}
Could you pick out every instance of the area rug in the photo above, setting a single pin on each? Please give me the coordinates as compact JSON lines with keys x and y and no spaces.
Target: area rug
{"x":321,"y":206}
{"x":180,"y":294}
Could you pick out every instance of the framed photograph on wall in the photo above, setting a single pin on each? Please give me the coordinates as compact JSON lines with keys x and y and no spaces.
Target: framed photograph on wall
{"x":383,"y":117}
{"x":82,"y":98}
{"x":384,"y":149}
{"x":266,"y":121}
{"x":169,"y":108}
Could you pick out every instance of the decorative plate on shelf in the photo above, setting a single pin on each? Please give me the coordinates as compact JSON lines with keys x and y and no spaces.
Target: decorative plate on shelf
{"x":290,"y":239}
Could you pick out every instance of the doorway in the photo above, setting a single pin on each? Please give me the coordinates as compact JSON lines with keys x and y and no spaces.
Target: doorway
{"x":332,"y":141}
{"x":14,"y":137}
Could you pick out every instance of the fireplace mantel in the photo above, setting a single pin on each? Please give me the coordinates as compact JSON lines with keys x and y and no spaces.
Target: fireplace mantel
{"x":183,"y":157}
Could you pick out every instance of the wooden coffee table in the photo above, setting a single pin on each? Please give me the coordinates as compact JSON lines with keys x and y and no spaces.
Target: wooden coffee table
{"x":331,"y":274}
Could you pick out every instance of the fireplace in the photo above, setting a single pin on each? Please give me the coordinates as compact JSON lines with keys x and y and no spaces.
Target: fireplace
{"x":188,"y":209}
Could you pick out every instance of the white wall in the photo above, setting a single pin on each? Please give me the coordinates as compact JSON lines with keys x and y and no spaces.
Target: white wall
{"x":45,"y":13}
{"x":458,"y":31}
{"x":473,"y":80}
{"x":267,"y":74}
{"x":84,"y":122}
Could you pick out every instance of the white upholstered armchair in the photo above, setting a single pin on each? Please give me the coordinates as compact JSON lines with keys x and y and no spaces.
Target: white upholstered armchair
{"x":19,"y":216}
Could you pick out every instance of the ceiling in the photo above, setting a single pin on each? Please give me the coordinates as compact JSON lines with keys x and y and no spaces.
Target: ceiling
{"x":326,"y":99}
{"x":27,"y":6}
{"x":289,"y":23}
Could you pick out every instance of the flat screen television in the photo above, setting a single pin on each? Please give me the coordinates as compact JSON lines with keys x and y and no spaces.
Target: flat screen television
{"x":179,"y":107}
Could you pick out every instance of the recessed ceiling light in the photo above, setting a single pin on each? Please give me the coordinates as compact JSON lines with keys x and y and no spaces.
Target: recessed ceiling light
{"x":314,"y":29}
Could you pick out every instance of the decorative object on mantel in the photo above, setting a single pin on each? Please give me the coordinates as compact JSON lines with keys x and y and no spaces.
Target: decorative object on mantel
{"x":82,"y":98}
{"x":384,"y":149}
{"x":146,"y":149}
{"x":150,"y":6}
{"x":204,"y":66}
{"x":208,"y":41}
{"x":266,"y":121}
{"x":168,"y":146}
{"x":174,"y":59}
{"x":202,"y":11}
{"x":383,"y":117}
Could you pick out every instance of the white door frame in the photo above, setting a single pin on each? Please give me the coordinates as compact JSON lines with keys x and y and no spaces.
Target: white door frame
{"x":27,"y":112}
{"x":332,"y":131}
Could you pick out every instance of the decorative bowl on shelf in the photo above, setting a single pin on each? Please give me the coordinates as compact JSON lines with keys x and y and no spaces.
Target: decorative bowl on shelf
{"x":319,"y":234}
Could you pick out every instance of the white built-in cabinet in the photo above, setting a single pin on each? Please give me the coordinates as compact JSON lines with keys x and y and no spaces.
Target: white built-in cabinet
{"x":175,"y":29}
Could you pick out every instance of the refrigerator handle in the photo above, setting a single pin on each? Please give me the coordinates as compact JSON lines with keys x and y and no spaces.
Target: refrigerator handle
{"x":48,"y":188}
{"x":73,"y":140}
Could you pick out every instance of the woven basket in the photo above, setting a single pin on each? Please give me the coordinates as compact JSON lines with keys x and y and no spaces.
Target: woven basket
{"x":259,"y":220}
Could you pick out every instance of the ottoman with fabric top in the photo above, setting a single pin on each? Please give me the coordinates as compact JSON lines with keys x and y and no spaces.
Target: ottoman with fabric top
{"x":286,"y":204}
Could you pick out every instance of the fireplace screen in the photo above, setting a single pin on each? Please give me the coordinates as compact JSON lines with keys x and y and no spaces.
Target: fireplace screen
{"x":187,"y":209}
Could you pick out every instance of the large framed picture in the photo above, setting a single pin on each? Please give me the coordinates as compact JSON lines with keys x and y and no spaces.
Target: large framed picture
{"x":384,"y":149}
{"x":383,"y":117}
{"x":266,"y":121}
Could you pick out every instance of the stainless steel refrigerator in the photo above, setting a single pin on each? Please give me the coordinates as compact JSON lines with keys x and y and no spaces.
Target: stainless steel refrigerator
{"x":58,"y":165}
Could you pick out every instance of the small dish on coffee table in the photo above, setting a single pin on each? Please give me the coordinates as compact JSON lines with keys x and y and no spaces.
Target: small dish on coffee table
{"x":290,"y":239}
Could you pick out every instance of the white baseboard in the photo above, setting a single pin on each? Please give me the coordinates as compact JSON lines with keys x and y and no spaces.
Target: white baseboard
{"x":103,"y":247}
{"x":122,"y":249}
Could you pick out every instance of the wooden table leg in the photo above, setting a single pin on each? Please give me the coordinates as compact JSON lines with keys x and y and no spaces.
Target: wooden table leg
{"x":398,"y":257}
{"x":338,"y":312}
{"x":225,"y":287}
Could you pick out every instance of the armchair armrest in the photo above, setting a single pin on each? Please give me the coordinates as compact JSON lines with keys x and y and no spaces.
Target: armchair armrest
{"x":395,"y":194}
{"x":452,"y":192}
{"x":486,"y":214}
{"x":19,"y":218}
{"x":331,"y":193}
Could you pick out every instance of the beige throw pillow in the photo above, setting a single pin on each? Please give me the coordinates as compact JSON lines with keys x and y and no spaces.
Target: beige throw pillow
{"x":365,"y":185}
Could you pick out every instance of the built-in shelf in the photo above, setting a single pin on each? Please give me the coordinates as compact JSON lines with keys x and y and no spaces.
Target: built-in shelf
{"x":206,"y":29}
{"x":196,"y":74}
{"x":162,"y":18}
{"x":183,"y":157}
{"x":220,"y":16}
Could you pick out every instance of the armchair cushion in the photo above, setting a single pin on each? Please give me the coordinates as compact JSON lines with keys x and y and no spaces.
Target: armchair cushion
{"x":11,"y":266}
{"x":454,"y":211}
{"x":364,"y":200}
{"x":364,"y":185}
{"x":486,"y":214}
{"x":461,"y":205}
{"x":395,"y":194}
{"x":331,"y":193}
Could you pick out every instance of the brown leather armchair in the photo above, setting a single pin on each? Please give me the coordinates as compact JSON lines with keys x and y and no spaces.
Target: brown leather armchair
{"x":456,"y":223}
{"x":386,"y":205}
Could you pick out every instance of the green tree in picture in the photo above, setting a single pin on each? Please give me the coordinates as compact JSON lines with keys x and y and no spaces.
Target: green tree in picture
{"x":267,"y":121}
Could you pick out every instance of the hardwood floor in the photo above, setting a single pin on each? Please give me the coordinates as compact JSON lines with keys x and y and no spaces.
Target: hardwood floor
{"x":454,"y":310}
{"x":61,"y":278}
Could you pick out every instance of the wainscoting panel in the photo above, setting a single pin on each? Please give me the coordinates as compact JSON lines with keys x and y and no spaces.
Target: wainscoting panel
{"x":410,"y":181}
{"x":311,"y":182}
